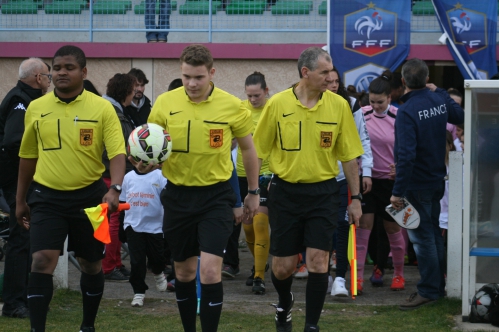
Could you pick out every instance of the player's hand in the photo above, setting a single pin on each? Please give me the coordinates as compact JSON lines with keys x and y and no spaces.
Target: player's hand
{"x":354,"y":212}
{"x":367,"y":184}
{"x":142,"y":168}
{"x":238,"y":214}
{"x":397,"y":203}
{"x":393,"y":172}
{"x":251,"y":204}
{"x":112,"y":200}
{"x":23,"y":215}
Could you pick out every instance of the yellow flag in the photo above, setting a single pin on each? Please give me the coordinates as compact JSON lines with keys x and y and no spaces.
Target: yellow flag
{"x":352,"y":258}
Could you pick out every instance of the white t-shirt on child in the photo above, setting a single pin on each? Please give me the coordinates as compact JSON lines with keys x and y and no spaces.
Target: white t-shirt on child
{"x":142,"y":192}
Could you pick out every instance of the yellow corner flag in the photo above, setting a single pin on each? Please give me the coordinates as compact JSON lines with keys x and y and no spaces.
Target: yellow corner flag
{"x":98,"y":218}
{"x":352,"y":258}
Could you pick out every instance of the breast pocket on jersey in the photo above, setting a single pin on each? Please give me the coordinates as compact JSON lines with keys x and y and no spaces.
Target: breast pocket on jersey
{"x":290,"y":135}
{"x":180,"y":133}
{"x":49,"y":134}
{"x":214,"y":135}
{"x":86,"y":134}
{"x":324,"y":133}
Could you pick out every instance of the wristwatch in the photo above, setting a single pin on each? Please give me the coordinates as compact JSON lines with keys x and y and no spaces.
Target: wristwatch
{"x":254,"y":192}
{"x":116,"y":187}
{"x":359,"y":196}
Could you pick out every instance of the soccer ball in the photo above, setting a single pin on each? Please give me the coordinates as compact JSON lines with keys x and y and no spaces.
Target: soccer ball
{"x":149,"y":143}
{"x":482,"y":302}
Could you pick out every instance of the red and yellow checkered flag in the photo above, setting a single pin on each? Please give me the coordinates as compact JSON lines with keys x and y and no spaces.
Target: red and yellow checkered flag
{"x":98,"y":218}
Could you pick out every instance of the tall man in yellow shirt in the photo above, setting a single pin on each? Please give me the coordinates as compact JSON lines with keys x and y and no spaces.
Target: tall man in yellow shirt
{"x":61,"y":152}
{"x":304,"y":131}
{"x":198,"y":198}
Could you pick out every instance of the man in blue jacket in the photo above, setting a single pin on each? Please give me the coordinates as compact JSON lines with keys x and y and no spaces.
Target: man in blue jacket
{"x":420,"y":136}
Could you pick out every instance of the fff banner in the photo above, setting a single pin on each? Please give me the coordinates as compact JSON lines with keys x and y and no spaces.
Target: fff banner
{"x":470,"y":27}
{"x":368,"y":37}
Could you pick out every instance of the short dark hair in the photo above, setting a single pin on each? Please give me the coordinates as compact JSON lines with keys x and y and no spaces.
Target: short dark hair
{"x":90,"y":87}
{"x":120,"y":86}
{"x":381,"y":85}
{"x":342,"y":91}
{"x":176,"y":83}
{"x":139,"y":75}
{"x":75,"y":51}
{"x":396,"y":81}
{"x":197,"y":55}
{"x":415,"y":72}
{"x":454,"y":92}
{"x":310,"y":56}
{"x":256,"y":78}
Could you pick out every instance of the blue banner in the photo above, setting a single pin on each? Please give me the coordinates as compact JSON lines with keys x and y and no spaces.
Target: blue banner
{"x":470,"y":27}
{"x":367,"y":38}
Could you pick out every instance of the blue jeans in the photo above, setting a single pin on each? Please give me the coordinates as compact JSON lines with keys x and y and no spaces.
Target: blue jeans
{"x":165,"y":9}
{"x":428,"y":241}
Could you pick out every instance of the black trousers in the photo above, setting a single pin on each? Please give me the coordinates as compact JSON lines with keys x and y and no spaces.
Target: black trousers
{"x":231,"y":255}
{"x":17,"y":259}
{"x":144,"y":245}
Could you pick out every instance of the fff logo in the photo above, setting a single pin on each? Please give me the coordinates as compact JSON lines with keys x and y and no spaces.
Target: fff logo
{"x":468,"y":28}
{"x":370,"y":31}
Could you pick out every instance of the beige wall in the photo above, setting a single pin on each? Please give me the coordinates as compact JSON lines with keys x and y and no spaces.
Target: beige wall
{"x":229,"y":75}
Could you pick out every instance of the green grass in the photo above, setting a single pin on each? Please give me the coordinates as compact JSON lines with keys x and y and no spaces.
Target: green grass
{"x":162,"y":315}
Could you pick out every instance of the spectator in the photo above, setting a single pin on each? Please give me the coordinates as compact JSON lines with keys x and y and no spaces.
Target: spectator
{"x":458,"y":98}
{"x":397,"y":89}
{"x":416,"y":125}
{"x":34,"y":81}
{"x":90,"y":87}
{"x":164,"y":8}
{"x":120,"y":91}
{"x":140,"y":107}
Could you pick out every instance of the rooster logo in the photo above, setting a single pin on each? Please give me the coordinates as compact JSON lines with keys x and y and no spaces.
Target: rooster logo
{"x":371,"y":24}
{"x":462,"y":23}
{"x":409,"y":212}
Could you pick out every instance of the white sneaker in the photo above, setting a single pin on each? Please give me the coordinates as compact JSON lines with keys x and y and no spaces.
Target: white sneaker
{"x":138,"y":300}
{"x":338,"y":288}
{"x":161,"y":282}
{"x":329,"y":284}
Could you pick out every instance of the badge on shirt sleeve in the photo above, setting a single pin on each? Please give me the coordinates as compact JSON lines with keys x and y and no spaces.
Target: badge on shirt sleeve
{"x":86,"y":136}
{"x":326,"y":139}
{"x":216,"y":138}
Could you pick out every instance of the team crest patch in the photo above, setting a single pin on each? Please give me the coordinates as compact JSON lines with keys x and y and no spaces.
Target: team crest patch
{"x":326,"y":139}
{"x":86,"y":136}
{"x":216,"y":138}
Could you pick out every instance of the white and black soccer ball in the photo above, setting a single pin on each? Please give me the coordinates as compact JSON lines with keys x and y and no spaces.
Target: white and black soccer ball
{"x":150,"y":143}
{"x":482,"y":302}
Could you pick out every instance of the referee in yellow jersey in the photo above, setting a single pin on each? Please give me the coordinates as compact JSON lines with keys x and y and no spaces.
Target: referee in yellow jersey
{"x":61,"y":152}
{"x":304,"y":131}
{"x":198,"y":198}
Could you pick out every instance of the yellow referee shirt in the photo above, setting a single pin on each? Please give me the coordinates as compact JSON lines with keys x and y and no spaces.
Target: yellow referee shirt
{"x":304,"y":144}
{"x":201,"y":135}
{"x":255,"y":115}
{"x":68,"y":139}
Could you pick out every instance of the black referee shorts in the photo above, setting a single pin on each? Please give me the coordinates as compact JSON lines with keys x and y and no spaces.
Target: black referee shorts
{"x":56,"y":214}
{"x":302,"y":215}
{"x":197,"y":219}
{"x":378,"y":198}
